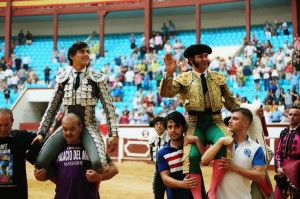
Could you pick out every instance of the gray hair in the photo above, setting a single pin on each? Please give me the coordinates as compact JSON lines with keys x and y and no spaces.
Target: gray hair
{"x":7,"y":111}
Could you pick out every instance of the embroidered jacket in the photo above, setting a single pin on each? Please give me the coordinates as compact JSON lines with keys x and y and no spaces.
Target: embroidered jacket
{"x":188,"y":86}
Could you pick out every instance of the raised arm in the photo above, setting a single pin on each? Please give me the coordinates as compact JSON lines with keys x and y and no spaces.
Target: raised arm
{"x":210,"y":153}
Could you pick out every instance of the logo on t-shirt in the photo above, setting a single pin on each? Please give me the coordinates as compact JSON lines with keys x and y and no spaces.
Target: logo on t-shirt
{"x":6,"y":165}
{"x":247,"y":152}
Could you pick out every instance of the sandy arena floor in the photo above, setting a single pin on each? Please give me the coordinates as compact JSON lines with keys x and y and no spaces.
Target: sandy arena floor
{"x":132,"y":182}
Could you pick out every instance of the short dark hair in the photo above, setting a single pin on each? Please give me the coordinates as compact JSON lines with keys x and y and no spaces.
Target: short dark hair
{"x":7,"y":111}
{"x":74,"y":48}
{"x":245,"y":112}
{"x":69,"y":116}
{"x":295,"y":107}
{"x":178,"y":119}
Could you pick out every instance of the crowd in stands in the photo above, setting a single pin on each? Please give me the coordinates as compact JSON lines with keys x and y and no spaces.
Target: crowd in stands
{"x":143,"y":70}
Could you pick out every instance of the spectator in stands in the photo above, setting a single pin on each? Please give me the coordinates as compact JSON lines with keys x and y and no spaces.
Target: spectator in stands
{"x":267,"y":114}
{"x":266,"y":76}
{"x":297,"y":101}
{"x":21,"y":87}
{"x":147,"y":57}
{"x":62,"y":55}
{"x":281,"y":107}
{"x":254,"y":40}
{"x":167,"y":47}
{"x":6,"y":92}
{"x":240,"y":75}
{"x":273,"y":87}
{"x":284,"y":27}
{"x":117,"y":91}
{"x":249,"y":49}
{"x":153,"y":69}
{"x":132,"y":41}
{"x":137,"y":101}
{"x":21,"y":38}
{"x":295,"y":81}
{"x":47,"y":72}
{"x":26,"y":61}
{"x":164,"y":32}
{"x":260,"y":49}
{"x":264,"y":59}
{"x":94,"y":51}
{"x":280,"y":96}
{"x":223,"y":70}
{"x":22,"y":74}
{"x":274,"y":28}
{"x":267,"y":29}
{"x":8,"y":72}
{"x":141,"y":67}
{"x":232,"y":73}
{"x":275,"y":75}
{"x":247,"y":64}
{"x":129,"y":77}
{"x":256,"y":100}
{"x":124,"y":118}
{"x":151,"y":43}
{"x":172,"y":29}
{"x":297,"y":65}
{"x":256,"y":77}
{"x":131,"y":117}
{"x":151,"y":97}
{"x":32,"y":78}
{"x":158,"y":42}
{"x":18,"y":62}
{"x":288,"y":101}
{"x":111,"y":78}
{"x":297,"y":43}
{"x":158,"y":77}
{"x":28,"y":38}
{"x":294,"y":94}
{"x":9,"y":62}
{"x":146,"y":81}
{"x":15,"y":81}
{"x":55,"y":56}
{"x":238,"y":59}
{"x":276,"y":114}
{"x":138,"y":80}
{"x":154,"y":55}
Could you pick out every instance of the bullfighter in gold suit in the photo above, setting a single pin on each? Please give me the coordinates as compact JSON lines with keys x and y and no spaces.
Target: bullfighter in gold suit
{"x":203,"y":94}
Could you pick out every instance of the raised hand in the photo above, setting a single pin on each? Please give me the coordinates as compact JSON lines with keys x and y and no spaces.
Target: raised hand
{"x":170,"y":64}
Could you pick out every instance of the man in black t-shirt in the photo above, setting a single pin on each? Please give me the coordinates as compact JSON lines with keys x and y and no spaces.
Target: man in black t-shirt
{"x":13,"y":147}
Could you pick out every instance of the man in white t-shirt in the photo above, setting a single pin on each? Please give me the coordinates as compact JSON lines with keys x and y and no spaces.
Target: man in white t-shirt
{"x":248,"y":162}
{"x":129,"y":77}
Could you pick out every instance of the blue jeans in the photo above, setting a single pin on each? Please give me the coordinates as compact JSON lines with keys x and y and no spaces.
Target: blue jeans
{"x":267,"y":84}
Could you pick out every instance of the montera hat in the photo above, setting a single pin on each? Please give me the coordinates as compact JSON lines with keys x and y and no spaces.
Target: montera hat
{"x":157,"y":119}
{"x":196,"y":49}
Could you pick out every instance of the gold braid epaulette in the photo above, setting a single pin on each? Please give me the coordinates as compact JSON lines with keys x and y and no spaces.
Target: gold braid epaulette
{"x":185,"y":78}
{"x":219,"y":79}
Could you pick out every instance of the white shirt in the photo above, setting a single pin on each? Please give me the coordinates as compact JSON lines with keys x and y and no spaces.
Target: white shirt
{"x":129,"y":76}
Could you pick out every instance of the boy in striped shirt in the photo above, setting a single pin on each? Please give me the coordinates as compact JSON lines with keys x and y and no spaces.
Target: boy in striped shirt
{"x":170,"y":161}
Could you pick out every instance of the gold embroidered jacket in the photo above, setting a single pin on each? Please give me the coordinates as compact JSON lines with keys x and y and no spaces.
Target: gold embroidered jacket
{"x":188,"y":86}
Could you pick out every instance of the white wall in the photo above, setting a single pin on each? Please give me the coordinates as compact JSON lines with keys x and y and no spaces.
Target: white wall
{"x":136,"y":24}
